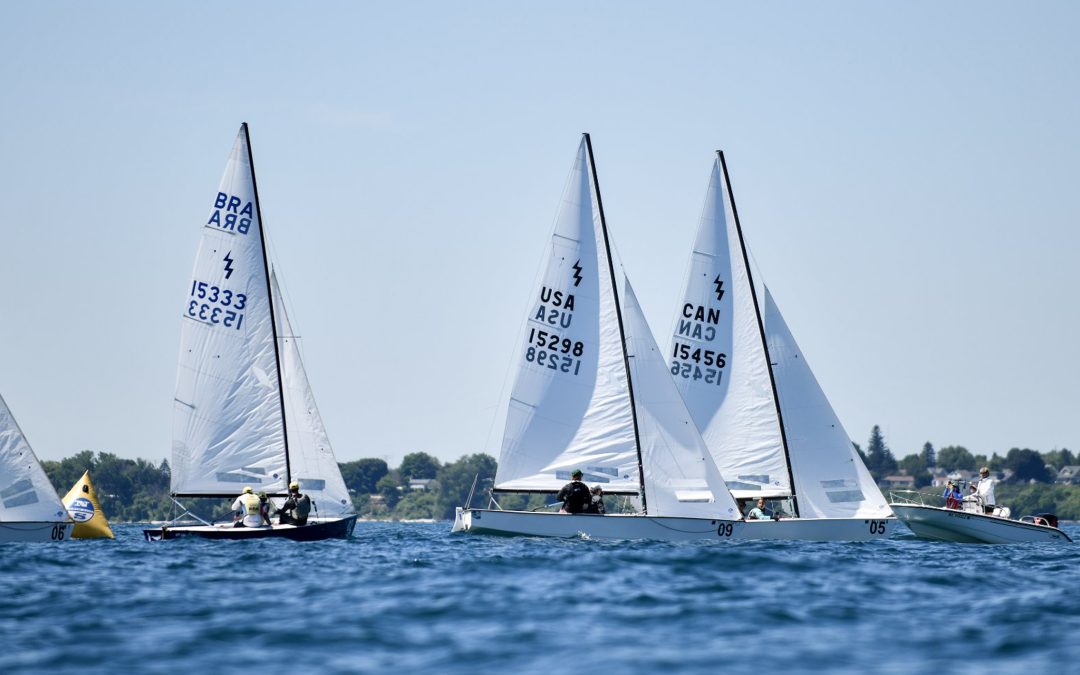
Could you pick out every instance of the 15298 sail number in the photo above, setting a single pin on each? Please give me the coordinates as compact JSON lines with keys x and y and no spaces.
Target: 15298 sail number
{"x":553,"y":361}
{"x":214,"y":305}
{"x":547,"y":340}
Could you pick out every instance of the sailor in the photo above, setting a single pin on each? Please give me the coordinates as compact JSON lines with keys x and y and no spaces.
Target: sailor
{"x":296,"y":508}
{"x":574,"y":495}
{"x":264,"y":509}
{"x":759,"y":512}
{"x":596,"y":501}
{"x":986,"y":490}
{"x":247,"y":510}
{"x":952,"y":496}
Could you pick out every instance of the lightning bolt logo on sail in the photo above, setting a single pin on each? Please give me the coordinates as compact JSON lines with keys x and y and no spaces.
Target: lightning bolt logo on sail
{"x":228,"y":264}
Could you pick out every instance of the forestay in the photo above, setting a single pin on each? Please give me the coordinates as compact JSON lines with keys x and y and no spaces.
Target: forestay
{"x":681,"y":478}
{"x":718,"y":359}
{"x":831,"y":480}
{"x":227,"y":423}
{"x":311,"y":458}
{"x":26,"y":495}
{"x":569,"y":407}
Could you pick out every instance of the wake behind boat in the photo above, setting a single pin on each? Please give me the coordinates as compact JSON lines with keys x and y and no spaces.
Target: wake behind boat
{"x":967,"y":522}
{"x":244,"y":414}
{"x":765,"y":419}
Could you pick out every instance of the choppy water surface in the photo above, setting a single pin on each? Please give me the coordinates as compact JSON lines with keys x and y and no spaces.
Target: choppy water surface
{"x":411,"y":596}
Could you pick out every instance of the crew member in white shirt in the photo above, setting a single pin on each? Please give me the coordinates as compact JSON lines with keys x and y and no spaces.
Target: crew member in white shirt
{"x":986,"y":490}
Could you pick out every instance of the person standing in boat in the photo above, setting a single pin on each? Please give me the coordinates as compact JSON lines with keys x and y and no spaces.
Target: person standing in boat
{"x":296,"y":508}
{"x":575,"y":495}
{"x":248,"y":510}
{"x":985,"y":490}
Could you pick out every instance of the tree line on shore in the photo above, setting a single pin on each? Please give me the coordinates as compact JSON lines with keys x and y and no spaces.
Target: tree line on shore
{"x":422,"y":487}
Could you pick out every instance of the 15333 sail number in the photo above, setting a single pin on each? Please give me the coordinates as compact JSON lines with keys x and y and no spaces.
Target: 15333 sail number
{"x":217,"y":306}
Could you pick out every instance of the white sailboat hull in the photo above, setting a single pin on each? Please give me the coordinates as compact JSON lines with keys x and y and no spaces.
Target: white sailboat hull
{"x":34,"y":532}
{"x":665,"y":528}
{"x":933,"y":522}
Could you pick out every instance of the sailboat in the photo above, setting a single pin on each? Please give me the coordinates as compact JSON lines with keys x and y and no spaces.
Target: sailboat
{"x":765,"y":419}
{"x":30,"y":509}
{"x":592,"y":392}
{"x":244,"y":415}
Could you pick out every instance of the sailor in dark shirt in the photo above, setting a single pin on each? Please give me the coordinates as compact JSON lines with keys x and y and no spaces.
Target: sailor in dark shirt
{"x":596,"y":501}
{"x":574,"y":495}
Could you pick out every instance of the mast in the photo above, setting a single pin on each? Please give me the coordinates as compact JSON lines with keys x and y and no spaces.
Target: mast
{"x":618,"y":314}
{"x":270,"y":300}
{"x":761,"y":330}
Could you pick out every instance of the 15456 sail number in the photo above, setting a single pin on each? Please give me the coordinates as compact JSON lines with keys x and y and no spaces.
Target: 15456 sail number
{"x":214,"y":305}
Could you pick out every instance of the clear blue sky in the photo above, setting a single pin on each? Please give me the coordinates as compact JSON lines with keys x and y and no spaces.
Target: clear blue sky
{"x":905,"y":173}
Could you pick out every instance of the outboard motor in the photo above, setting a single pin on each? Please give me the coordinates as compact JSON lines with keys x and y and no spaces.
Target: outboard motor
{"x":1049,"y":518}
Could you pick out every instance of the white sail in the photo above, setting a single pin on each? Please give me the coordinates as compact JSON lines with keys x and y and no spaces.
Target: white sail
{"x":26,"y":495}
{"x":718,"y":359}
{"x":831,"y":480}
{"x":227,"y":422}
{"x":311,"y":459}
{"x":569,"y":406}
{"x":681,"y":478}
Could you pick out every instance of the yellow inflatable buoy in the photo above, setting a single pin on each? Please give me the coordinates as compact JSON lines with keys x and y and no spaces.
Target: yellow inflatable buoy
{"x":82,"y":505}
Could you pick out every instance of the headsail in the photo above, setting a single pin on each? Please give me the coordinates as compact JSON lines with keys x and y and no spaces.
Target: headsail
{"x":718,"y":359}
{"x":311,"y":459}
{"x":681,"y":478}
{"x":570,"y":406}
{"x":26,"y":495}
{"x":830,"y":477}
{"x":228,"y":427}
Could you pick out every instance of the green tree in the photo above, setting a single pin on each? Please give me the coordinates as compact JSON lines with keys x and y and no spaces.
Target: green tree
{"x":418,"y":465}
{"x":915,"y":465}
{"x":417,"y":505}
{"x":879,"y":459}
{"x":362,"y":475}
{"x":390,"y":490}
{"x":1027,"y":465}
{"x":456,"y":479}
{"x":928,"y":455}
{"x":953,"y":457}
{"x":1059,"y":458}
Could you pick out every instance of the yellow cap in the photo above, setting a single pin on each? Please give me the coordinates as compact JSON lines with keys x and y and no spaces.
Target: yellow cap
{"x":248,"y":490}
{"x":294,"y":485}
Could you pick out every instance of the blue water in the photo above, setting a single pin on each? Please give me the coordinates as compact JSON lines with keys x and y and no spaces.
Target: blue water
{"x":411,"y":597}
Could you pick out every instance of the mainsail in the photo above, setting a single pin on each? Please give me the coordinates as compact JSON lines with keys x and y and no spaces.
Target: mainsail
{"x":718,"y":358}
{"x":830,"y":477}
{"x":770,"y":429}
{"x":26,"y":495}
{"x":570,"y":405}
{"x":228,"y":427}
{"x":311,"y":459}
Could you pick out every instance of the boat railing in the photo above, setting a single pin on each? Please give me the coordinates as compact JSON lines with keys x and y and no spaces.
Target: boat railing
{"x":916,"y":498}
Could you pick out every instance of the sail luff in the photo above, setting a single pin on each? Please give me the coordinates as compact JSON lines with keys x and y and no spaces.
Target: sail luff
{"x":270,"y":297}
{"x":761,"y":328}
{"x":618,"y":314}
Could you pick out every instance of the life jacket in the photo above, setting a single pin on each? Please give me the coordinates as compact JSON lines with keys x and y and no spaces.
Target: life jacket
{"x":251,"y":504}
{"x":303,"y":508}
